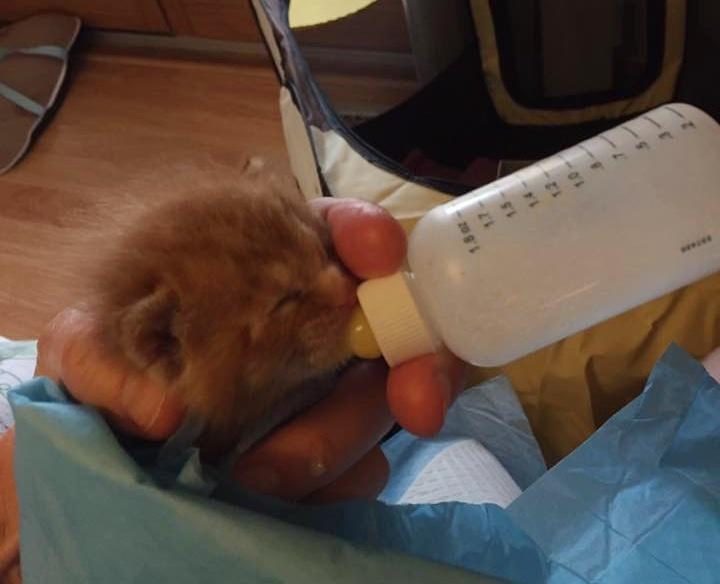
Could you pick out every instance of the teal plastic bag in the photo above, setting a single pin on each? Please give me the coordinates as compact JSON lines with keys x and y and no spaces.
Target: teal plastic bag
{"x":638,"y":502}
{"x":92,"y":511}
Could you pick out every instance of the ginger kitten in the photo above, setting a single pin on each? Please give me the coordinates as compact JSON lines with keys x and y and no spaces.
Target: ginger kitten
{"x":232,"y":297}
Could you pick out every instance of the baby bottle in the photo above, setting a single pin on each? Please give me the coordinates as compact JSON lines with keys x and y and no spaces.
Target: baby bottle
{"x":572,"y":240}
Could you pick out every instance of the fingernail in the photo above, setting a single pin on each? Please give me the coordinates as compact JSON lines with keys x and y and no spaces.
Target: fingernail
{"x":141,"y":401}
{"x":259,"y":478}
{"x":444,"y":383}
{"x":55,"y":339}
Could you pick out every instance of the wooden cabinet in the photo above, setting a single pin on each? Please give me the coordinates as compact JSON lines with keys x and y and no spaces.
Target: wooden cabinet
{"x":133,"y":15}
{"x":230,"y":20}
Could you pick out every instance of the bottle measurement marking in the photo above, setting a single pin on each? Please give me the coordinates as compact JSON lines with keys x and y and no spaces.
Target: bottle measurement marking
{"x":511,"y":202}
{"x":576,"y":178}
{"x":633,"y":133}
{"x":565,"y":160}
{"x":673,"y":110}
{"x":486,"y":219}
{"x":554,"y":188}
{"x":653,"y":122}
{"x":466,"y":233}
{"x":686,"y":124}
{"x":507,"y":207}
{"x":532,"y":200}
{"x":528,"y":195}
{"x":586,"y":151}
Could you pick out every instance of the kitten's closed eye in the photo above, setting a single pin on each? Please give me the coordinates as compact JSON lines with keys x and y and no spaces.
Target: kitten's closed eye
{"x":286,"y":300}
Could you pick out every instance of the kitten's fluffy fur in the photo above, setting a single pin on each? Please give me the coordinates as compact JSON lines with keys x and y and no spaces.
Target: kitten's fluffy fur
{"x":230,"y":295}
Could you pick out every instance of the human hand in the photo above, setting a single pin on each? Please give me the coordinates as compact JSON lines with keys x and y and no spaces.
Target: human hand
{"x":371,"y":244}
{"x":331,"y":452}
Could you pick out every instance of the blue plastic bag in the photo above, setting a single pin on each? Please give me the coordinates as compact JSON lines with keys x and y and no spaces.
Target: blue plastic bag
{"x":640,"y":500}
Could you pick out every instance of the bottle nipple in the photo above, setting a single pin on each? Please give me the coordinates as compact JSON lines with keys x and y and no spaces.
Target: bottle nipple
{"x":360,"y":337}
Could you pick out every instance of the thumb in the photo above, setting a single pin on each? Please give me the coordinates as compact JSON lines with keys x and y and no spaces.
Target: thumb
{"x":70,"y":351}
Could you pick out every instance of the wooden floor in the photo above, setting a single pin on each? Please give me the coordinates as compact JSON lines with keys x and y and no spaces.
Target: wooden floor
{"x":123,"y":119}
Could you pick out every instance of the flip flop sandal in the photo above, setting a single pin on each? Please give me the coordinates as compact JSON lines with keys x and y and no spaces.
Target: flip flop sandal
{"x":33,"y":63}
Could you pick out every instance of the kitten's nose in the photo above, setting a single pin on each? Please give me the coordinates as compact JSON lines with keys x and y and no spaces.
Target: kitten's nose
{"x":338,"y":289}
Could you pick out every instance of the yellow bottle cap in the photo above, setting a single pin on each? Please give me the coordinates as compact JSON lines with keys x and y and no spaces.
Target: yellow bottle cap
{"x":361,"y":339}
{"x":394,"y":318}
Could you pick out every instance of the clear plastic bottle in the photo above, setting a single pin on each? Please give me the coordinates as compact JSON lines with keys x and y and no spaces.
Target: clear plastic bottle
{"x":559,"y":246}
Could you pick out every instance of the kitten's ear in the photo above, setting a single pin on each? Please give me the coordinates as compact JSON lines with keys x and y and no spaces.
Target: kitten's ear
{"x":148,"y":331}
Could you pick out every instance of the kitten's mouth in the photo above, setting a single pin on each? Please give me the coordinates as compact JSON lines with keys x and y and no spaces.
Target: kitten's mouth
{"x":349,"y":303}
{"x":340,"y":318}
{"x":348,"y":297}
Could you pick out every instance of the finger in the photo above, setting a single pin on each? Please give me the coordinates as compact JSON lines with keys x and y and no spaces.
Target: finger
{"x":315,"y":448}
{"x":368,"y":240}
{"x":712,"y":364}
{"x":50,"y":342}
{"x":364,"y":480}
{"x":421,"y":390}
{"x":70,"y":351}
